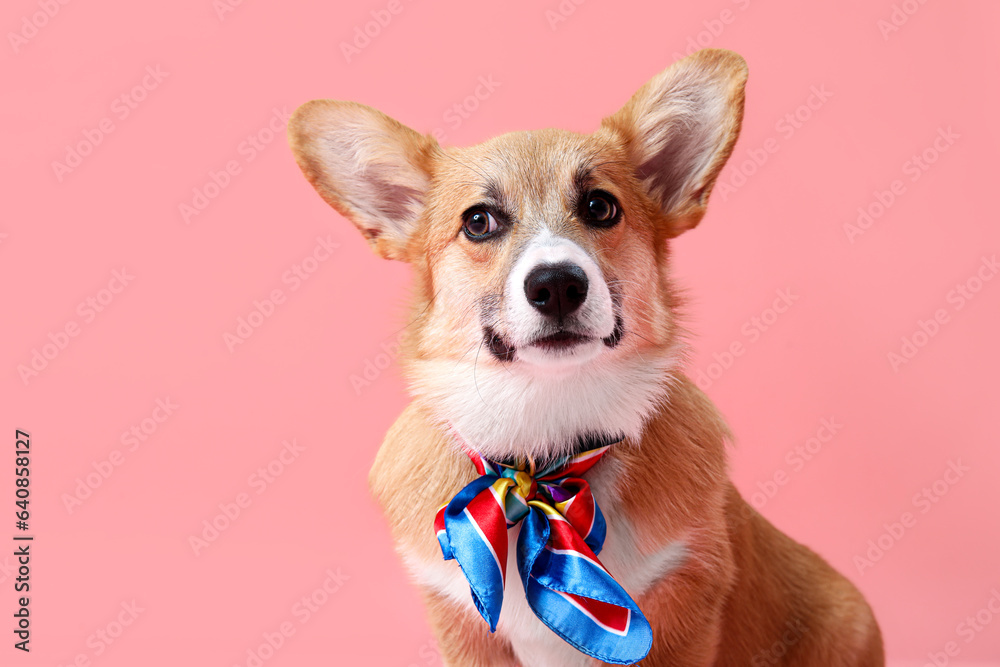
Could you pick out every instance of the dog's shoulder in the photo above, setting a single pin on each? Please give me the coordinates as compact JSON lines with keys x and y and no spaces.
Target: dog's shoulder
{"x":416,"y":471}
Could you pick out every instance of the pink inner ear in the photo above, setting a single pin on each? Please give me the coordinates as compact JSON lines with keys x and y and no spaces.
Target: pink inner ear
{"x":670,"y":168}
{"x":393,"y":201}
{"x":384,"y":206}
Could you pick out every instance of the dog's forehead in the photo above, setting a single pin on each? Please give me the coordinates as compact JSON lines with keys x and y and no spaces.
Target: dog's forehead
{"x":533,"y":172}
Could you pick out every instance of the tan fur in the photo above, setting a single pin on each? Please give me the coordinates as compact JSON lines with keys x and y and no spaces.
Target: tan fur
{"x":460,"y":636}
{"x":746,"y":594}
{"x":749,"y":595}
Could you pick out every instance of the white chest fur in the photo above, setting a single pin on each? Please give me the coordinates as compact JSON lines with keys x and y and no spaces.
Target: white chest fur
{"x":534,"y":644}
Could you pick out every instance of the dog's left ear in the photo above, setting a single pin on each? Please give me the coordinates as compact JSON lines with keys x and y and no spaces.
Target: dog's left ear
{"x":680,"y":128}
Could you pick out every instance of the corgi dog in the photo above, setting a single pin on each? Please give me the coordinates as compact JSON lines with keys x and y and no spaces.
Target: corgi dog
{"x":551,"y":422}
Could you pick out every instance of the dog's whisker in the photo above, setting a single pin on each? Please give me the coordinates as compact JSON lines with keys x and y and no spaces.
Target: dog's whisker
{"x":460,"y":359}
{"x":475,"y":365}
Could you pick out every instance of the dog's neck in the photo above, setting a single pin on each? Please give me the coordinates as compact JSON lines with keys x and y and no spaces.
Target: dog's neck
{"x":508,"y":414}
{"x":582,"y":443}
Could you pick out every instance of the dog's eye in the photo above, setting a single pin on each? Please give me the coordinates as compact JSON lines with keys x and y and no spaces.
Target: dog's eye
{"x":478,"y":224}
{"x":600,"y":209}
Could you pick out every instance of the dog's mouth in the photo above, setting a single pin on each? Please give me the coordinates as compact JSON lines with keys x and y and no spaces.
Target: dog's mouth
{"x":563,"y":341}
{"x":559,"y":341}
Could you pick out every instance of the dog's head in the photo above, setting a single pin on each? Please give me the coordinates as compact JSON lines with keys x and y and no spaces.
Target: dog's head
{"x":543,"y":309}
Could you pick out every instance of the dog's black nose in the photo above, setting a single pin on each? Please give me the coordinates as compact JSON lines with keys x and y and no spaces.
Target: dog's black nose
{"x":556,"y":290}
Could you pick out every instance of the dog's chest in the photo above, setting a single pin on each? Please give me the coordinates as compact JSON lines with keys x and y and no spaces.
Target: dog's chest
{"x":534,"y":643}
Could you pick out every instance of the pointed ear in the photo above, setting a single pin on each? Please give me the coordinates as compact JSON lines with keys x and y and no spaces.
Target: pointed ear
{"x":371,"y":168}
{"x":680,"y":128}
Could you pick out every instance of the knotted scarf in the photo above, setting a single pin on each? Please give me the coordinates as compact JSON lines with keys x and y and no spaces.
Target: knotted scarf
{"x":561,"y":534}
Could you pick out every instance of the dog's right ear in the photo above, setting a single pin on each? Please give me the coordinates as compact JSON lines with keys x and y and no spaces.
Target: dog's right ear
{"x":369,"y":167}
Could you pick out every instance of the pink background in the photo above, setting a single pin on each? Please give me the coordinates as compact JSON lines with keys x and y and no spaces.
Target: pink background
{"x":161,"y":336}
